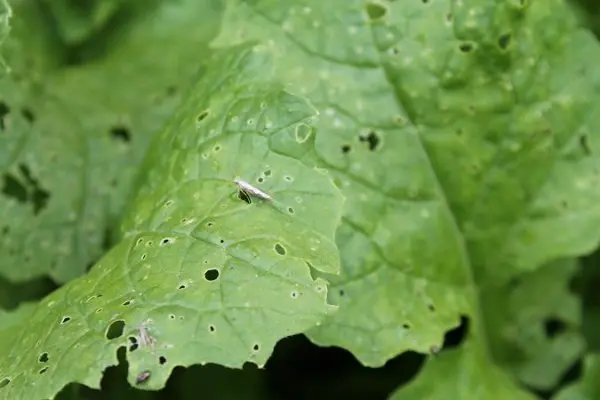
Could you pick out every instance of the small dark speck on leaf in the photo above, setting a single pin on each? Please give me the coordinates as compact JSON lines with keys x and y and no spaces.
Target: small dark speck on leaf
{"x":554,"y":327}
{"x":4,"y":110}
{"x":43,"y":357}
{"x":406,"y":326}
{"x":371,"y":139}
{"x":28,"y":115}
{"x":465,"y":47}
{"x":504,"y":41}
{"x":346,"y":149}
{"x":585,"y":146}
{"x":256,"y":347}
{"x":120,"y":133}
{"x":202,"y":116}
{"x":280,"y":249}
{"x":43,"y":370}
{"x":211,"y":328}
{"x":162,"y":360}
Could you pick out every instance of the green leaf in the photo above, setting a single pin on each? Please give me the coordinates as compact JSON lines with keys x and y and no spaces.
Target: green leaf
{"x":460,"y":373}
{"x":587,"y":388}
{"x":77,"y":21}
{"x":537,"y":322}
{"x":5,"y":15}
{"x":74,"y":135}
{"x":209,"y":277}
{"x":462,"y":134}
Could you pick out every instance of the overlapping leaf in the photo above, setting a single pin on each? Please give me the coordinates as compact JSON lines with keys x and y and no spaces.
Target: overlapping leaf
{"x":201,"y":275}
{"x":72,"y":135}
{"x":462,"y":135}
{"x":587,"y":388}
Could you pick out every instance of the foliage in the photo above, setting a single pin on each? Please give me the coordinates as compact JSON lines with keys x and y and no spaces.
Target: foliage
{"x":433,"y":178}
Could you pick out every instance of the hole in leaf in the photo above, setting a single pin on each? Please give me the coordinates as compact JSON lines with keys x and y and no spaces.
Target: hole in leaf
{"x":288,"y":178}
{"x":39,"y":197}
{"x":4,"y":381}
{"x":126,"y":303}
{"x":554,"y":327}
{"x":371,"y":139}
{"x":212,"y":328}
{"x":162,"y":360}
{"x":43,"y":357}
{"x":290,"y":210}
{"x":346,"y":149}
{"x":465,"y":47}
{"x":375,"y":10}
{"x":4,"y":111}
{"x":211,"y":274}
{"x":65,"y":320}
{"x":115,"y":330}
{"x":280,"y":249}
{"x":260,"y":180}
{"x":43,"y":370}
{"x":584,"y":144}
{"x":267,"y":172}
{"x":166,"y":241}
{"x":182,"y":286}
{"x":456,"y":336}
{"x":504,"y":41}
{"x":202,"y":116}
{"x":294,"y":294}
{"x":133,"y":346}
{"x":209,"y":224}
{"x":256,"y":347}
{"x":120,"y":133}
{"x":222,"y":241}
{"x":242,"y":195}
{"x":28,"y":115}
{"x":14,"y":189}
{"x":143,"y":257}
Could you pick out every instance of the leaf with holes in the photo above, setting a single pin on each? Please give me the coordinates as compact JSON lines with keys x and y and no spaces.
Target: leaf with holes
{"x":537,"y":323}
{"x":201,"y":276}
{"x":462,"y":134}
{"x":70,"y":143}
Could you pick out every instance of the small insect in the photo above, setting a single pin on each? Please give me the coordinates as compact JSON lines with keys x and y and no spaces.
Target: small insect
{"x":145,"y":338}
{"x":248,"y":189}
{"x":142,"y":377}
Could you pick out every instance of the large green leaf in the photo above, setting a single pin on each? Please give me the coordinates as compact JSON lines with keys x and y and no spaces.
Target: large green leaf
{"x":211,"y":278}
{"x":73,"y":135}
{"x":461,"y":134}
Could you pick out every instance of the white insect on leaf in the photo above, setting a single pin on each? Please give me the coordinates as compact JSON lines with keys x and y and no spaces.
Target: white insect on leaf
{"x":145,"y":338}
{"x":248,"y":189}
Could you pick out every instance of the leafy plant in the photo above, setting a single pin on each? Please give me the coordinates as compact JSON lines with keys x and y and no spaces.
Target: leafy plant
{"x":432,"y":177}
